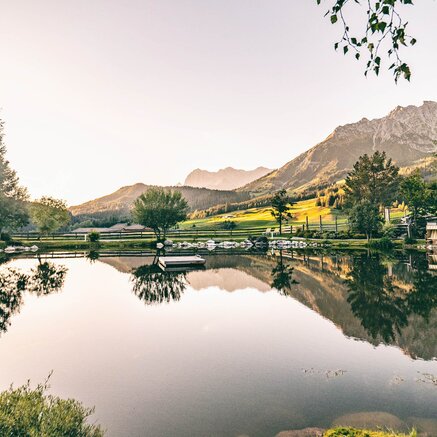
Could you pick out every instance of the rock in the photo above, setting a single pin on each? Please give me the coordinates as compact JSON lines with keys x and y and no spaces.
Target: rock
{"x":306,"y":432}
{"x":371,"y":420}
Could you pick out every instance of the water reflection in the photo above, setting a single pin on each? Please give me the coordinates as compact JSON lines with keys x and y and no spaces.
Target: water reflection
{"x":282,"y":276}
{"x":154,"y":286}
{"x":46,"y":278}
{"x":381,"y":303}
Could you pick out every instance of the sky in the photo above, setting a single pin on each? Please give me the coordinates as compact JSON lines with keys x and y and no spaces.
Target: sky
{"x":100,"y":94}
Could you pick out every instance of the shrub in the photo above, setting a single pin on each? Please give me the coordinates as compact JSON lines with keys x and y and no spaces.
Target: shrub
{"x":383,"y":243}
{"x":27,"y":412}
{"x":4,"y":236}
{"x":93,"y":237}
{"x":409,"y":240}
{"x":228,"y":225}
{"x":353,"y":432}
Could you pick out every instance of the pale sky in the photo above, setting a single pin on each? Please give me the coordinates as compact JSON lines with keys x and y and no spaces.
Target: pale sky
{"x":98,"y":94}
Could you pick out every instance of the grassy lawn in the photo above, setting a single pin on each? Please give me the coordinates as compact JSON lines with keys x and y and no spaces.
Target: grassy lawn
{"x":262,"y":218}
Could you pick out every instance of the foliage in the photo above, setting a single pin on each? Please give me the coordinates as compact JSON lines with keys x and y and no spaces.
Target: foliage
{"x":384,"y":243}
{"x":154,"y":286}
{"x":228,"y":225}
{"x":13,"y":213}
{"x":353,"y":432}
{"x":420,"y":198}
{"x":373,"y":178}
{"x":46,"y":278}
{"x":93,"y":237}
{"x":332,"y":197}
{"x":281,"y":205}
{"x":282,"y":276}
{"x":160,"y":209}
{"x":382,"y":306}
{"x":364,"y":218}
{"x":384,"y":25}
{"x":34,"y":413}
{"x":49,"y":214}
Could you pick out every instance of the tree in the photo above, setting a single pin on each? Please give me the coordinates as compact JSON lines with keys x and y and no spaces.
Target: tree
{"x":281,"y":205}
{"x":384,"y":24}
{"x":374,"y":299}
{"x":229,"y":225}
{"x":417,"y":195}
{"x":154,"y":286}
{"x":13,"y":213}
{"x":364,"y":218}
{"x":374,"y":178}
{"x":282,"y":276}
{"x":160,"y":209}
{"x":49,"y":214}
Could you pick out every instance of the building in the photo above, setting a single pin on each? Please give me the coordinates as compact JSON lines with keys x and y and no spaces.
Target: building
{"x":119,"y":227}
{"x":431,"y":233}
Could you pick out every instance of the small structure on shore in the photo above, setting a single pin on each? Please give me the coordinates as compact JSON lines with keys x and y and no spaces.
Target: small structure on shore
{"x":431,"y":233}
{"x":180,"y":261}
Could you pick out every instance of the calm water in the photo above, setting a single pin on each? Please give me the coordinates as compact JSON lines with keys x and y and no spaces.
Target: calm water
{"x":252,"y":345}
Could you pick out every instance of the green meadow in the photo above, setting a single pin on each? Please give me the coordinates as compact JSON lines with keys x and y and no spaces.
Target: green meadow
{"x":262,"y":217}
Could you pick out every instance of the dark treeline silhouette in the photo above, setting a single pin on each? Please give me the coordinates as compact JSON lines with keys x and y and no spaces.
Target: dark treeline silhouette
{"x":44,"y":279}
{"x":382,"y":306}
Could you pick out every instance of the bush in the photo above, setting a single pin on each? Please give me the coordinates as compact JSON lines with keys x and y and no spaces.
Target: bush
{"x":353,"y":432}
{"x":4,"y":236}
{"x":27,"y":412}
{"x":383,"y":243}
{"x":228,"y":225}
{"x":409,"y":240}
{"x":93,"y":237}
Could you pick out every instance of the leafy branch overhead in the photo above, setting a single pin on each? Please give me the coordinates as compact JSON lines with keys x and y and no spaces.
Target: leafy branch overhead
{"x":385,"y":31}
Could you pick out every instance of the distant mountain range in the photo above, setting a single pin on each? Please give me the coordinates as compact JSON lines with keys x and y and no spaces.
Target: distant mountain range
{"x":122,"y":199}
{"x":224,"y":179}
{"x":405,"y":134}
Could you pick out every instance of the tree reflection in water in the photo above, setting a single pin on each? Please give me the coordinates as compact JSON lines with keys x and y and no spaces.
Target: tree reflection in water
{"x":381,"y":305}
{"x":154,"y":286}
{"x":42,"y":280}
{"x":282,"y":276}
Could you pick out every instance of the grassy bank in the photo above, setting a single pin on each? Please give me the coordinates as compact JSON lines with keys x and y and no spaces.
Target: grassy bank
{"x":148,"y":243}
{"x":353,"y":432}
{"x":262,"y":217}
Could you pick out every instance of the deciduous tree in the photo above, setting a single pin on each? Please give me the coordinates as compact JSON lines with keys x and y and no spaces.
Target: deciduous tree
{"x":160,"y":209}
{"x":281,"y":205}
{"x":49,"y":214}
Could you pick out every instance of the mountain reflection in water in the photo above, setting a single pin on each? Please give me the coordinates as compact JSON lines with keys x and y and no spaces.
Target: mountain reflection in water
{"x":374,"y":297}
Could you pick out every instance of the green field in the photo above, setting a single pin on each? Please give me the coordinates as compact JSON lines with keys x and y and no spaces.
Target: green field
{"x":262,"y":217}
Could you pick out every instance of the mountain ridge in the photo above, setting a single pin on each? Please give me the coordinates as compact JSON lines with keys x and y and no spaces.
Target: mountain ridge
{"x":407,"y":134}
{"x":227,"y":178}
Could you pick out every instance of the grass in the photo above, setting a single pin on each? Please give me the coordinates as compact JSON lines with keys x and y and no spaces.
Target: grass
{"x":353,"y":432}
{"x":262,"y":217}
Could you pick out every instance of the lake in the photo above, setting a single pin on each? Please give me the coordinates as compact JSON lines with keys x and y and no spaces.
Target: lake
{"x":254,"y":344}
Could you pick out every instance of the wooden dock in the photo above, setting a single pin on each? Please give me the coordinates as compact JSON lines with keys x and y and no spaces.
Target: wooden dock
{"x":180,"y":261}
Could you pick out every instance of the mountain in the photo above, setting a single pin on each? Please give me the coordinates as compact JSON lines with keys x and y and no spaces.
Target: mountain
{"x":225,"y":179}
{"x":406,"y":134}
{"x":122,"y":199}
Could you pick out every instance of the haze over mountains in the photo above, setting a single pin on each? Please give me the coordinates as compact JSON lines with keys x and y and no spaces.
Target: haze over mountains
{"x":122,"y":199}
{"x":224,"y":179}
{"x":406,"y":134}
